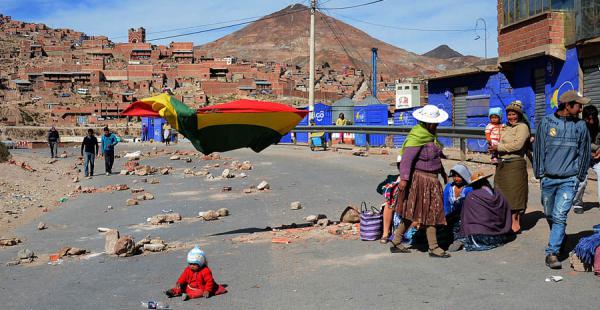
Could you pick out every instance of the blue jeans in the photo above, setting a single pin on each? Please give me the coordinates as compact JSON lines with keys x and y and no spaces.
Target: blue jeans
{"x":89,"y":161}
{"x":557,"y":199}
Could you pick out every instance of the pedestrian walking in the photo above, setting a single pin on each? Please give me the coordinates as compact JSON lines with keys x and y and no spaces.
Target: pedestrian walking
{"x":89,"y":151}
{"x":590,"y":116}
{"x":53,"y":141}
{"x":109,"y":140}
{"x":562,"y":155}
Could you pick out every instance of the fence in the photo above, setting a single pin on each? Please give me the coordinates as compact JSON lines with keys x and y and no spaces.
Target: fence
{"x":461,"y":133}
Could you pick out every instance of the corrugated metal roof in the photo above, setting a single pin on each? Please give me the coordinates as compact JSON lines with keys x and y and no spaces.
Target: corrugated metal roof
{"x":344,"y":102}
{"x":369,"y":101}
{"x":21,"y":81}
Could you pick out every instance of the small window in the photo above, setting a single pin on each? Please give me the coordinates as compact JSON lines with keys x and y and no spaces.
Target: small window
{"x":406,"y":87}
{"x":415,"y":87}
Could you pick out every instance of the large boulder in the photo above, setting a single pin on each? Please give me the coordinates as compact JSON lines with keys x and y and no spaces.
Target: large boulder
{"x":125,"y":246}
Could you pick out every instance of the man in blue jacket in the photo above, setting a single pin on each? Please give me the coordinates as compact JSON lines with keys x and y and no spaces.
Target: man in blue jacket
{"x":109,"y":140}
{"x":561,"y":159}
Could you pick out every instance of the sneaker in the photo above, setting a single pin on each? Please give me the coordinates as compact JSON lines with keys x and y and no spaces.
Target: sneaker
{"x":184,"y":297}
{"x":108,"y":173}
{"x":169,"y":293}
{"x":89,"y":178}
{"x":553,"y":262}
{"x":578,"y":209}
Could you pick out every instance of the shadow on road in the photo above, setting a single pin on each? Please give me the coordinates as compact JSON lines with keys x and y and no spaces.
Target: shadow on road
{"x":251,"y":230}
{"x":571,"y":241}
{"x":529,"y":220}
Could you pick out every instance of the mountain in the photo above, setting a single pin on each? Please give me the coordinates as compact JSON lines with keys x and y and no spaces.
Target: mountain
{"x":283,"y":37}
{"x":443,"y":52}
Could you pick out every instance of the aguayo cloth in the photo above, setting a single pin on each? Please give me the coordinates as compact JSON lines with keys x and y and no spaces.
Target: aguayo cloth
{"x":511,"y":180}
{"x":424,"y":200}
{"x":222,"y":127}
{"x":485,"y":212}
{"x":389,"y":189}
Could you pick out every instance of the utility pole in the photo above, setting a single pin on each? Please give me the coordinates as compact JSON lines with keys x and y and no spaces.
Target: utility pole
{"x":311,"y":78}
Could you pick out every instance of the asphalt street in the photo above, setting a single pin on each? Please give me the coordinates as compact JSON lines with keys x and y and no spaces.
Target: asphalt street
{"x":329,"y":273}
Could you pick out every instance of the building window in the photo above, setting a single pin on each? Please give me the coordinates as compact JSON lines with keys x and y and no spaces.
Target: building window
{"x":416,"y":87}
{"x":406,"y":87}
{"x":518,"y":10}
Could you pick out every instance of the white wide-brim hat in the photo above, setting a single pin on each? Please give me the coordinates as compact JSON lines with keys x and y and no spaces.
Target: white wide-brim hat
{"x":430,"y":114}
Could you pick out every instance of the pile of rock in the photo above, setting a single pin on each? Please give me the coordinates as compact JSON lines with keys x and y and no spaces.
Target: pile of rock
{"x":145,"y":170}
{"x":24,"y":256}
{"x":9,"y":241}
{"x":236,"y":165}
{"x":126,"y":245}
{"x":213,"y":156}
{"x":212,"y":215}
{"x":69,"y":251}
{"x":167,"y":218}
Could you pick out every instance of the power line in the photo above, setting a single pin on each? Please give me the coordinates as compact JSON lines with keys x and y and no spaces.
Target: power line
{"x":192,"y":27}
{"x":405,"y":28}
{"x":335,"y":34}
{"x":353,"y":6}
{"x":229,"y":26}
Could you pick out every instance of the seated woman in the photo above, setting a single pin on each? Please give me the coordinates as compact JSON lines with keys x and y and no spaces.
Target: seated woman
{"x":455,"y":193}
{"x":485,"y":218}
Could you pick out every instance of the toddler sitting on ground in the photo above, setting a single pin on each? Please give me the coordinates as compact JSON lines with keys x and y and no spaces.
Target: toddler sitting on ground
{"x":196,"y":280}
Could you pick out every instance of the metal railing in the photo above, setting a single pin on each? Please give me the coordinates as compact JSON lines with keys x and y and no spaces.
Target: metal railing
{"x":461,"y":133}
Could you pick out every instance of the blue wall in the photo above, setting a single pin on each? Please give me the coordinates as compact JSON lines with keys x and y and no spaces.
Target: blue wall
{"x":503,"y":88}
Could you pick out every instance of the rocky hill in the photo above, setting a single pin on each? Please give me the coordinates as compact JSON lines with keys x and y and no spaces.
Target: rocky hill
{"x":283,"y":37}
{"x":443,"y":52}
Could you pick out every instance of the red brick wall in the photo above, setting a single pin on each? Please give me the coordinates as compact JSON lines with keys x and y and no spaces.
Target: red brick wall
{"x":215,"y":88}
{"x":529,"y":34}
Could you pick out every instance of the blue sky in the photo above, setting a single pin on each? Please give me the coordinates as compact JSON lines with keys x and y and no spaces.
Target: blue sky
{"x":114,"y":17}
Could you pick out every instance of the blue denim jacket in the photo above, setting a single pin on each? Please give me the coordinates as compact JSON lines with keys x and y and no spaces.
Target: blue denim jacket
{"x":561,"y":148}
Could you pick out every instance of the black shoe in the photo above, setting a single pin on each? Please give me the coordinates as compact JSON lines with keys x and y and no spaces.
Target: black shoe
{"x":170,"y":293}
{"x":553,"y":262}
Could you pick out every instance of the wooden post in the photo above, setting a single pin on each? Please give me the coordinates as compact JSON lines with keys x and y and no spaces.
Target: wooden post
{"x":463,"y":149}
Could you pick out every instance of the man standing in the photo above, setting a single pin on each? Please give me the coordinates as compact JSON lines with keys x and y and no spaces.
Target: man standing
{"x":89,"y":151}
{"x":109,"y":140}
{"x":590,"y":116}
{"x":144,"y":133}
{"x":53,"y":141}
{"x":561,"y":159}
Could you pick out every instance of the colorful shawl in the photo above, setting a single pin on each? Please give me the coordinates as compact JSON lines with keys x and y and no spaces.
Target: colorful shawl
{"x":419,"y":136}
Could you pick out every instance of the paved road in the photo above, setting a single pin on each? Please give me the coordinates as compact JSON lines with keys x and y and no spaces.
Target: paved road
{"x":308,"y":274}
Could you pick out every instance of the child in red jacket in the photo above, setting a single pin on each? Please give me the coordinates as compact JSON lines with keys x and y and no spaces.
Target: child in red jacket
{"x":196,"y":280}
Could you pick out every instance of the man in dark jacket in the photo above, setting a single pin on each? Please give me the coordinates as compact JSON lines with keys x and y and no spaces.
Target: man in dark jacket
{"x":561,"y":159}
{"x":53,"y":141}
{"x":89,"y":151}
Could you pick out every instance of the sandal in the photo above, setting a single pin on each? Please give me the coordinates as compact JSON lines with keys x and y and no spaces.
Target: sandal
{"x":399,"y":248}
{"x":384,"y":239}
{"x":438,"y":253}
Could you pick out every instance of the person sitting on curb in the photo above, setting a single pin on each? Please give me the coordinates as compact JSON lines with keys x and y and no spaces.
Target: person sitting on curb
{"x":196,"y":280}
{"x":455,"y":193}
{"x":485,"y":219}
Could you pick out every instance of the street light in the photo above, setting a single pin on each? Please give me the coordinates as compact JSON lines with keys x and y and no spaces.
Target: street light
{"x":484,"y":36}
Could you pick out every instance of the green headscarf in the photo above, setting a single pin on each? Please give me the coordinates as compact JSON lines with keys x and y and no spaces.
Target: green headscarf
{"x":419,"y":136}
